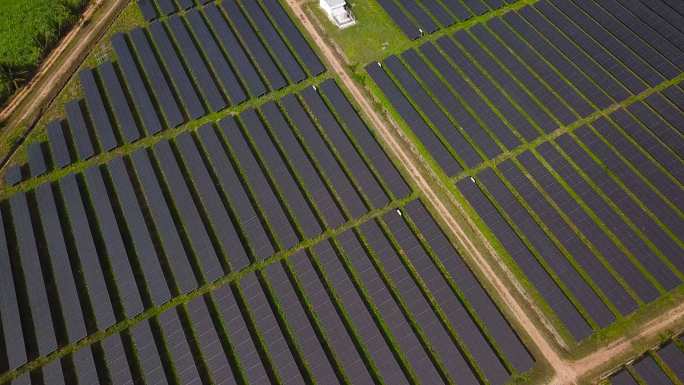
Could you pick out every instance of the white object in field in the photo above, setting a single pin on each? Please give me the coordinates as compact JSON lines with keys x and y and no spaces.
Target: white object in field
{"x":399,"y":212}
{"x":338,"y":12}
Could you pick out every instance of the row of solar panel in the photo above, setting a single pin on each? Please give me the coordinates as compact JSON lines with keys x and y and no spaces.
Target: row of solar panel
{"x":662,"y":367}
{"x":185,"y":212}
{"x":606,"y":235}
{"x":485,"y":90}
{"x":153,"y":9}
{"x":158,"y":84}
{"x":417,"y":18}
{"x":335,"y":313}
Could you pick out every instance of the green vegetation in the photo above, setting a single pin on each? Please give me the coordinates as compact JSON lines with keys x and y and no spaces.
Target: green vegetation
{"x":28,"y":30}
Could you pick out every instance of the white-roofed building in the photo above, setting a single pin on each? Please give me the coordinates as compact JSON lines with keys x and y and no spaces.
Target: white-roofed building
{"x":338,"y":12}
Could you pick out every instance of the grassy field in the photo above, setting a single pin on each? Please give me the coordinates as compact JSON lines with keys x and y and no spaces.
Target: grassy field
{"x":28,"y":30}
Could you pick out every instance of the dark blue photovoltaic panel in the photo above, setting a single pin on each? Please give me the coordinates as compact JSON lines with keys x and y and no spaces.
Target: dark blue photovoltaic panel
{"x":511,"y":346}
{"x":216,"y":212}
{"x":274,"y":41}
{"x":323,"y":157}
{"x":210,"y":343}
{"x":115,"y":248}
{"x":188,"y":211}
{"x":546,"y":287}
{"x":236,"y":54}
{"x":652,"y":124}
{"x":254,"y":45}
{"x":179,"y":77}
{"x":298,"y":321}
{"x":439,"y":12}
{"x":623,"y":378}
{"x":166,"y":229}
{"x":13,"y":337}
{"x":285,"y":24}
{"x":198,"y":68}
{"x":138,"y":232}
{"x":477,"y":6}
{"x":453,"y":309}
{"x":667,"y":108}
{"x":150,"y":362}
{"x":255,"y":178}
{"x":178,"y":348}
{"x":405,"y":24}
{"x":115,"y":357}
{"x":425,"y":23}
{"x":13,"y":175}
{"x":222,"y":70}
{"x":185,"y":4}
{"x":282,"y":359}
{"x":79,"y":130}
{"x":333,"y":328}
{"x":97,"y":111}
{"x":84,"y":246}
{"x":649,"y":370}
{"x":439,"y":119}
{"x":58,"y":145}
{"x":147,"y":9}
{"x":337,"y":137}
{"x":387,"y":307}
{"x":238,"y":335}
{"x":413,"y":119}
{"x":232,"y":186}
{"x":84,"y":366}
{"x":673,"y":357}
{"x":459,"y":9}
{"x":118,"y":102}
{"x":300,"y":162}
{"x":36,"y":162}
{"x":502,"y":130}
{"x":67,"y":291}
{"x":367,"y":327}
{"x":280,"y":175}
{"x":155,"y":76}
{"x":364,"y":139}
{"x":638,"y":248}
{"x":659,"y":16}
{"x":36,"y":291}
{"x":166,"y":7}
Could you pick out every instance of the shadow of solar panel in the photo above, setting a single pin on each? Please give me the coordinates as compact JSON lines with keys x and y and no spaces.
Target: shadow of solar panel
{"x":156,"y":78}
{"x":236,"y":54}
{"x":187,"y":210}
{"x":298,"y":321}
{"x":253,"y":45}
{"x":367,"y":328}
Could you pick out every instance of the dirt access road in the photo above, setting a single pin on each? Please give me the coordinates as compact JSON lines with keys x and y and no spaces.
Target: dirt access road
{"x":26,"y":106}
{"x":565,"y":372}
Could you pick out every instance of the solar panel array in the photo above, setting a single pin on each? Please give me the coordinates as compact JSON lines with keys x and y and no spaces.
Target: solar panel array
{"x":178,"y":70}
{"x":485,"y":90}
{"x":417,"y":18}
{"x":664,"y":366}
{"x":389,"y":301}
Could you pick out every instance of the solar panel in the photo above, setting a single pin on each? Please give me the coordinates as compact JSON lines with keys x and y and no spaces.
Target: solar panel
{"x":85,"y":369}
{"x":115,"y":357}
{"x":222,"y":70}
{"x":364,"y":139}
{"x":236,"y":54}
{"x":166,"y":7}
{"x":643,"y":125}
{"x":439,"y":13}
{"x":216,"y":212}
{"x":156,"y":79}
{"x":147,"y":9}
{"x":178,"y":348}
{"x":282,"y":359}
{"x":78,"y":130}
{"x":150,"y":362}
{"x":252,"y":173}
{"x":298,"y":321}
{"x":323,"y":157}
{"x":67,"y":290}
{"x":459,"y":9}
{"x":254,"y":45}
{"x":407,"y":26}
{"x":138,"y":232}
{"x":159,"y":208}
{"x":425,"y":22}
{"x":277,"y":168}
{"x":58,"y":145}
{"x":119,"y":102}
{"x":359,"y":315}
{"x":97,"y":111}
{"x":348,"y":154}
{"x":623,"y":378}
{"x":274,"y":41}
{"x":84,"y":246}
{"x":13,"y":337}
{"x":322,"y":197}
{"x":37,"y":163}
{"x":673,"y":357}
{"x":179,"y":77}
{"x":113,"y":242}
{"x":287,"y":26}
{"x":236,"y":194}
{"x":649,"y":370}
